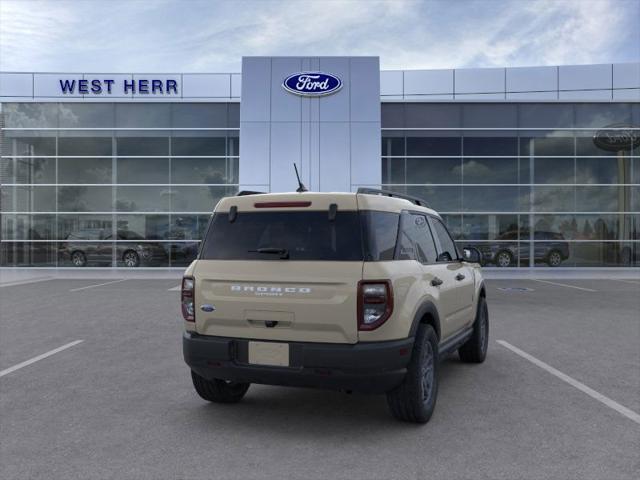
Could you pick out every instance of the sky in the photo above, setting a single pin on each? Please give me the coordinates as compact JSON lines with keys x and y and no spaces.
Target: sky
{"x":149,"y":36}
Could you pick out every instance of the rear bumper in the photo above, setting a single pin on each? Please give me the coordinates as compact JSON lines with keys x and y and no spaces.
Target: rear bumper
{"x":374,"y":367}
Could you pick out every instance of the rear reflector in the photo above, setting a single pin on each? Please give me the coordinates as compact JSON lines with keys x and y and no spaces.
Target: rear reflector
{"x":281,"y":204}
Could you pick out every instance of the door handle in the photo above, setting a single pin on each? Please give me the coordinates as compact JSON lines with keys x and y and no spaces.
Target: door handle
{"x":436,"y":282}
{"x":460,"y":277}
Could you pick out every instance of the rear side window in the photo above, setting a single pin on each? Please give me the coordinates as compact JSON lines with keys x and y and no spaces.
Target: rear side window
{"x":380,"y":231}
{"x":416,"y":242}
{"x":447,"y":248}
{"x":303,"y":235}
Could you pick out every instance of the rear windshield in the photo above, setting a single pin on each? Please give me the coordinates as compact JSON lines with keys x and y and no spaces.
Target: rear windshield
{"x":302,"y":235}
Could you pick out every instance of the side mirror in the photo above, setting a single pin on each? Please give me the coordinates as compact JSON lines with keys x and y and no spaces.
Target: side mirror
{"x":472,"y":255}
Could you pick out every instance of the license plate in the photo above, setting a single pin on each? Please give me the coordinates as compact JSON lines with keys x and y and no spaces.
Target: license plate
{"x":269,"y":353}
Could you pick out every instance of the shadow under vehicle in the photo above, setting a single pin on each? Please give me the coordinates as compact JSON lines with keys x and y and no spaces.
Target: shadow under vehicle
{"x":96,"y":246}
{"x":549,"y":247}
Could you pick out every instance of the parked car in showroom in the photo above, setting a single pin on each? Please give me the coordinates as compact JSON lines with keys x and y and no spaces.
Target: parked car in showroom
{"x":549,"y":247}
{"x":95,"y":246}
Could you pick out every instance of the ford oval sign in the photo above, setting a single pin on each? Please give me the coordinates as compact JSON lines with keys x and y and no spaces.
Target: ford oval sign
{"x":616,"y":138}
{"x":312,"y":84}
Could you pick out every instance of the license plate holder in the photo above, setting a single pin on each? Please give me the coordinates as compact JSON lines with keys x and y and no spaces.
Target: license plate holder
{"x":274,"y":354}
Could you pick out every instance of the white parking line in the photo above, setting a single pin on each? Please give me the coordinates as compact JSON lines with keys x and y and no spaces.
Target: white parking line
{"x":564,"y":285}
{"x":175,"y":289}
{"x":38,"y":358}
{"x":574,"y":383}
{"x":98,"y":285}
{"x":26,"y":282}
{"x":625,"y":281}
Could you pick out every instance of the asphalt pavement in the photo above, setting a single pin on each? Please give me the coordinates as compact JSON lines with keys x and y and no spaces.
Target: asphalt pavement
{"x":119,"y":403}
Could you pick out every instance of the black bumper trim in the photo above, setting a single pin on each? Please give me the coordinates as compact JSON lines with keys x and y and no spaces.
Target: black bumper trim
{"x":372,"y":367}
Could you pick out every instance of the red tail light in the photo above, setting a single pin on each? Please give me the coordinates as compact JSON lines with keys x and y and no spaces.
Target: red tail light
{"x":375,"y":303}
{"x":187,"y":299}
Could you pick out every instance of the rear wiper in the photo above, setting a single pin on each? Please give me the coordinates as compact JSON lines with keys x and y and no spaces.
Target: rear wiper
{"x":283,"y":252}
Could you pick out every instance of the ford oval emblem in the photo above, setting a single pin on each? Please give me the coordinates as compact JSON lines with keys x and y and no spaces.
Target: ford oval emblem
{"x":207,"y":308}
{"x":618,"y":137}
{"x":312,"y":84}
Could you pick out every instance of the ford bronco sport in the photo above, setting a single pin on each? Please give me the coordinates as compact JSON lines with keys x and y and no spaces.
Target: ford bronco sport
{"x":351,"y":291}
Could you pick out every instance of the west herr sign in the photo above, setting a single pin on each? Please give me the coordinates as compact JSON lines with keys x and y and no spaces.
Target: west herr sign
{"x":312,"y":84}
{"x":140,"y":86}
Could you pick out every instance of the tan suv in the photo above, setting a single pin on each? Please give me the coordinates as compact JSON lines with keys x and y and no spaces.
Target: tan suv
{"x":357,"y":291}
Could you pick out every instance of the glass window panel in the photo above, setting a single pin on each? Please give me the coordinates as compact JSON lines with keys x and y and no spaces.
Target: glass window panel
{"x":606,"y":254}
{"x":416,"y":241}
{"x":198,"y":146}
{"x":490,"y":170}
{"x":393,"y":170}
{"x":29,"y":146}
{"x":439,"y":115}
{"x":454,"y":225}
{"x":588,"y":227}
{"x":507,"y":254}
{"x":233,"y":113}
{"x":549,"y":144}
{"x":202,"y":170}
{"x":28,"y":199}
{"x":603,"y":170}
{"x":187,"y":227}
{"x":635,"y":198}
{"x":27,"y":170}
{"x":493,"y":115}
{"x":599,"y":115}
{"x":446,"y":245}
{"x":433,"y":146}
{"x":494,"y":199}
{"x":553,"y":170}
{"x":602,"y":199}
{"x":442,"y":199}
{"x":143,"y":146}
{"x":74,"y":115}
{"x":144,"y":227}
{"x":28,"y":227}
{"x":84,"y":226}
{"x":78,"y":253}
{"x":81,"y":146}
{"x":143,"y":199}
{"x":183,"y":253}
{"x":84,"y":170}
{"x":586,"y":146}
{"x":143,"y":115}
{"x":490,"y":227}
{"x":233,"y":144}
{"x":141,"y":254}
{"x":434,"y":170}
{"x":79,"y":198}
{"x":393,"y":146}
{"x":199,"y":115}
{"x":554,"y":199}
{"x":30,"y":115}
{"x":488,"y":146}
{"x":198,"y":199}
{"x":545,"y":115}
{"x":28,"y":254}
{"x":143,"y":170}
{"x":392,"y":115}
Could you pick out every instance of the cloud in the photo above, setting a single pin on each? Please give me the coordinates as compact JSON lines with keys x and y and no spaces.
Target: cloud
{"x":172,"y":36}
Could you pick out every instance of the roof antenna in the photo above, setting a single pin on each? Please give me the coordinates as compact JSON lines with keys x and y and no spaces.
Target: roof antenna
{"x":301,"y":187}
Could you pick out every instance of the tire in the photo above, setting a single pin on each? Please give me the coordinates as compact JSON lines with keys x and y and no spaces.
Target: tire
{"x":503,"y":259}
{"x":130,"y":259}
{"x":554,"y":259}
{"x":415,"y":398}
{"x":78,"y":259}
{"x":219,"y":391}
{"x":474,"y":350}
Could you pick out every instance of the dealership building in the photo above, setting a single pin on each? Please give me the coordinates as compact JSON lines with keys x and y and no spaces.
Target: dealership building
{"x":536,"y":166}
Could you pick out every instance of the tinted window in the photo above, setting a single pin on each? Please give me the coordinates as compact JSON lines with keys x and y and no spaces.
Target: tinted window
{"x":304,"y":235}
{"x":416,"y":242}
{"x":380,"y":231}
{"x":447,"y":247}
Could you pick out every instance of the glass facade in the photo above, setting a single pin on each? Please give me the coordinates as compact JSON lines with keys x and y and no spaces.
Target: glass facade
{"x":524,"y":183}
{"x":133,"y":184}
{"x":112,"y":184}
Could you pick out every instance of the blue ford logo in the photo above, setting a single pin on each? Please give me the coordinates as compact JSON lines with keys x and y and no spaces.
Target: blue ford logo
{"x":207,"y":308}
{"x":312,"y":84}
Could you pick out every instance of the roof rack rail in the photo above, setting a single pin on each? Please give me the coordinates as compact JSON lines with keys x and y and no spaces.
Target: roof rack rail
{"x":243,"y":193}
{"x":376,"y":191}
